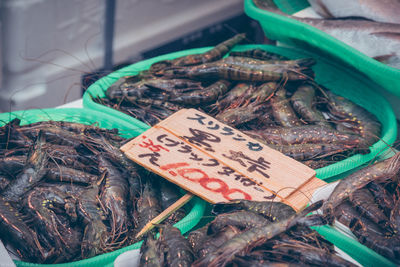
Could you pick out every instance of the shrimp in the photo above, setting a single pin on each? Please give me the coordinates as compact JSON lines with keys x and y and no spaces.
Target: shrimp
{"x":234,"y":97}
{"x":31,"y":175}
{"x":215,"y":241}
{"x":127,"y":86}
{"x":19,"y":234}
{"x":364,"y":202}
{"x":382,"y":196}
{"x":274,"y":211}
{"x":395,"y":216}
{"x":65,"y":239}
{"x":256,"y":63}
{"x":385,"y":170}
{"x":282,"y":110}
{"x":65,"y":174}
{"x":263,"y":92}
{"x":305,"y":152}
{"x":241,"y":219}
{"x":116,"y":155}
{"x":258,"y":54}
{"x":367,"y":232}
{"x":114,"y":197}
{"x":199,"y":97}
{"x":12,"y":165}
{"x":58,"y":136}
{"x":310,"y":255}
{"x":368,"y":125}
{"x":250,"y":238}
{"x":151,"y":255}
{"x":304,"y":134}
{"x":179,"y":251}
{"x":69,"y":157}
{"x":241,"y":115}
{"x":173,"y":85}
{"x":197,"y":237}
{"x":236,"y":71}
{"x":95,"y":234}
{"x":302,"y":102}
{"x":157,"y":103}
{"x":4,"y":181}
{"x":147,"y":206}
{"x":214,"y":54}
{"x":11,"y":136}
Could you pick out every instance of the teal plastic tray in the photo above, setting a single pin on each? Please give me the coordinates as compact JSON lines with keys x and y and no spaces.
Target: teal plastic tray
{"x":127,"y":129}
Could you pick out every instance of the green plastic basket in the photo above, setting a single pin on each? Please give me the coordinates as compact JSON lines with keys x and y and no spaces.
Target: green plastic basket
{"x":301,"y":35}
{"x":340,"y":80}
{"x":126,"y":129}
{"x":362,"y":254}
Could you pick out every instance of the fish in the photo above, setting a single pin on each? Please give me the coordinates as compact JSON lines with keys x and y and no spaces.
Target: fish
{"x":379,"y":40}
{"x":375,"y":39}
{"x":387,"y":11}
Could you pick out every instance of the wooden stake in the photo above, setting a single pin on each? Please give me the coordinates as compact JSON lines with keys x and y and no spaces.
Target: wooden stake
{"x":163,"y":215}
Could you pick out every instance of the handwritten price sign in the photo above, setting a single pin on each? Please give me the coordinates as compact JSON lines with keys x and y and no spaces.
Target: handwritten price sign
{"x":219,"y":163}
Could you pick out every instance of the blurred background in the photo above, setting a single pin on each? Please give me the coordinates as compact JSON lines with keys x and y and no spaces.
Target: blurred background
{"x":52,"y":50}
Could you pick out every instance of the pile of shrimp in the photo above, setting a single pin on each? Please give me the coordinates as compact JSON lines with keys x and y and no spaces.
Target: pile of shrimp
{"x":246,"y":233}
{"x":368,"y":202}
{"x":267,"y":96}
{"x":68,"y":193}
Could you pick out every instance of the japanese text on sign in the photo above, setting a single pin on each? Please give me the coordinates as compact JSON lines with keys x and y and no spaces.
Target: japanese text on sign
{"x":193,"y":166}
{"x":215,"y":161}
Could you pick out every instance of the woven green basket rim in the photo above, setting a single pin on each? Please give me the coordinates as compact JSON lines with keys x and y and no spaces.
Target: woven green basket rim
{"x":89,"y":117}
{"x":341,"y":50}
{"x":389,"y":132}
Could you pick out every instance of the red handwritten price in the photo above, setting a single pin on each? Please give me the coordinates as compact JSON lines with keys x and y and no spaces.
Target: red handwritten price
{"x":206,"y":182}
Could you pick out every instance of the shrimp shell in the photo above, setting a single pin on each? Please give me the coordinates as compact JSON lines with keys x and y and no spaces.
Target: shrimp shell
{"x":241,"y":219}
{"x":385,"y":170}
{"x":206,"y":95}
{"x":214,"y":54}
{"x":282,"y":110}
{"x":304,"y":134}
{"x":31,"y":175}
{"x":364,"y":202}
{"x":237,"y":71}
{"x":18,"y":233}
{"x":368,"y":125}
{"x":274,"y":211}
{"x":179,"y":251}
{"x":258,"y":54}
{"x":302,"y":102}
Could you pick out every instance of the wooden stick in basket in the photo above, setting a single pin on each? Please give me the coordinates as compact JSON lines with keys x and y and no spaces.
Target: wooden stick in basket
{"x":163,"y":215}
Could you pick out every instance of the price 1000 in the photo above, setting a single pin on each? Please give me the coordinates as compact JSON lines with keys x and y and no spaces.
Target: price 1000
{"x":212,"y":184}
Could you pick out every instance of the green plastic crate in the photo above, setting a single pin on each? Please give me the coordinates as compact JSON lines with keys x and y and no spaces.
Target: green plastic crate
{"x":339,"y":79}
{"x":301,"y":35}
{"x":127,"y":129}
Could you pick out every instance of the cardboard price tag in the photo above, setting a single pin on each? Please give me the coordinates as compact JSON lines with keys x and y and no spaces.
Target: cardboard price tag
{"x":219,"y":163}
